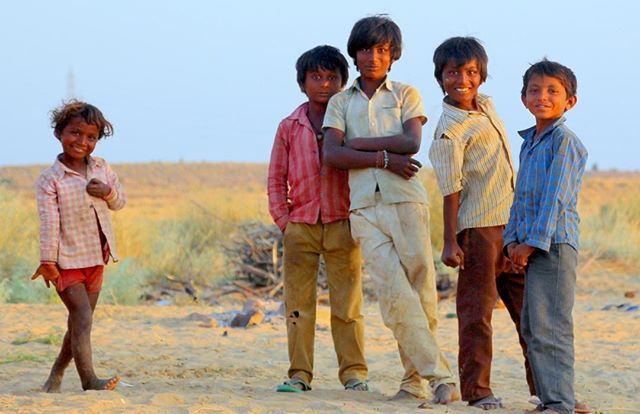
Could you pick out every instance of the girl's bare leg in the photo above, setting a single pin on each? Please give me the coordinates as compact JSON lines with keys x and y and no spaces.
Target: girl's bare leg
{"x":77,"y":342}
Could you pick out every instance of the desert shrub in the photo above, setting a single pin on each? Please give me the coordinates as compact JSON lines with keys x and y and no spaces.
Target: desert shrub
{"x":123,"y":282}
{"x":613,"y":234}
{"x":428,"y":178}
{"x":19,"y":235}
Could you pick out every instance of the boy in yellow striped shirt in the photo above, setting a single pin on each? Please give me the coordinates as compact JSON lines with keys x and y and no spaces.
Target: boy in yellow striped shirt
{"x":472,"y":161}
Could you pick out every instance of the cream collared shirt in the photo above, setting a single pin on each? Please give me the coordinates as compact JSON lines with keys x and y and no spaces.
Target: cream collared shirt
{"x":352,"y":112}
{"x":470,"y":153}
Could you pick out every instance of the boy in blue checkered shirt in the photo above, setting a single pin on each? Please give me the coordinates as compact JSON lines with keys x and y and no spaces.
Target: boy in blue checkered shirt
{"x":541,"y":236}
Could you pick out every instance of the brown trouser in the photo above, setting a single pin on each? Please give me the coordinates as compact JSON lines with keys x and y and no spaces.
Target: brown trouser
{"x":485,"y":276}
{"x":303,"y":245}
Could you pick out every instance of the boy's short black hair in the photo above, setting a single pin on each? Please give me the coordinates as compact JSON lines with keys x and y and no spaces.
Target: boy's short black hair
{"x":322,"y":57}
{"x":61,"y":116}
{"x":374,"y":30}
{"x":554,"y":69}
{"x":461,"y":50}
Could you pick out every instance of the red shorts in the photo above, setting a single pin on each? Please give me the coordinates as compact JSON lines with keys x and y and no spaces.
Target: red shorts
{"x":91,"y":277}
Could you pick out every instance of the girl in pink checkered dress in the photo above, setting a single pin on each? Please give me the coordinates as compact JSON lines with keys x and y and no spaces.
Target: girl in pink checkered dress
{"x":74,"y":197}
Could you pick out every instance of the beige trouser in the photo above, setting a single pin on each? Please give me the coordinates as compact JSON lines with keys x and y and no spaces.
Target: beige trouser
{"x":396,"y":247}
{"x":303,"y":245}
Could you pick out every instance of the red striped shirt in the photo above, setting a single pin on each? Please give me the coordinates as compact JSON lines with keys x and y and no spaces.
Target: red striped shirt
{"x":301,"y":189}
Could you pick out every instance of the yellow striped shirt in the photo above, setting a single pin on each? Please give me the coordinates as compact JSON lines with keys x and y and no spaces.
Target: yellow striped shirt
{"x":470,"y":153}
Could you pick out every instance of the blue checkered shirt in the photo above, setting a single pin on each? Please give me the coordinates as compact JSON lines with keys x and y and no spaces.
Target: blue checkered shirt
{"x":544,"y":208}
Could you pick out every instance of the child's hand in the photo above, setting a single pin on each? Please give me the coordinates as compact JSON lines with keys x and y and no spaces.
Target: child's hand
{"x":403,"y":165}
{"x":513,"y":268}
{"x":97,"y":188}
{"x":452,"y":255}
{"x":49,"y":273}
{"x":519,"y":255}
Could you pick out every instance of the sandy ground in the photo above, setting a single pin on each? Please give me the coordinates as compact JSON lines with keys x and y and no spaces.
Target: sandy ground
{"x":174,"y":365}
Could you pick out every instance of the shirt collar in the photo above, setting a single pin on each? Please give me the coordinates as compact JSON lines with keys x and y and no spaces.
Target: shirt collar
{"x":386,"y":84}
{"x":59,"y":169}
{"x":527,"y":134}
{"x":300,"y":115}
{"x":459,"y":115}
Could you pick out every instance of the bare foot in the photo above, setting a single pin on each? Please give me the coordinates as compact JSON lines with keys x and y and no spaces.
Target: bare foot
{"x":104,"y":384}
{"x":581,"y":408}
{"x":445,"y":393}
{"x":53,"y":383}
{"x":404,"y":395}
{"x":487,"y":403}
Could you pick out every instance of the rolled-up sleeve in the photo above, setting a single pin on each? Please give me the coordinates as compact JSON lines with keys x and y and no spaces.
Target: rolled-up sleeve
{"x":335,"y":117}
{"x":447,"y":156}
{"x":412,"y":106}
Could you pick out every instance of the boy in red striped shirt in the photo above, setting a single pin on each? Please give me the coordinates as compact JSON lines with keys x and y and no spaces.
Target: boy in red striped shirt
{"x":310,"y":203}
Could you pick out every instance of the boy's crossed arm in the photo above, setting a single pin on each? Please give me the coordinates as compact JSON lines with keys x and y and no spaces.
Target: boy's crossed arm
{"x":406,"y":143}
{"x":362,"y":152}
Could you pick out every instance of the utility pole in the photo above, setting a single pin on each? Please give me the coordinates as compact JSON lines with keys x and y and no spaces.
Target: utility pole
{"x":71,"y":85}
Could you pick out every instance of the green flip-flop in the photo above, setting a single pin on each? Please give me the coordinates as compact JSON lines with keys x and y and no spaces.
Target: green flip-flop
{"x":290,"y":386}
{"x":354,"y":384}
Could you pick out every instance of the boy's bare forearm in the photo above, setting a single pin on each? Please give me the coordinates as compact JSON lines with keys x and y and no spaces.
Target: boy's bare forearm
{"x":452,"y":254}
{"x":408,"y":142}
{"x":450,"y":207}
{"x":340,"y":156}
{"x":398,"y":144}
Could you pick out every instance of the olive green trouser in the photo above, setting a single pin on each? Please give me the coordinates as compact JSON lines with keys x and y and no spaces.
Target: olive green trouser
{"x":303,"y":245}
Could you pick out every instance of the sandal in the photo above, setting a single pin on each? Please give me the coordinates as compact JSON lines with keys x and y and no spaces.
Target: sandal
{"x":487,"y":403}
{"x":290,"y":385}
{"x":357,"y":385}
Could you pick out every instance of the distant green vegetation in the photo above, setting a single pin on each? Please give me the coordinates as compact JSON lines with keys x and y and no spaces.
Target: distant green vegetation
{"x":19,"y":357}
{"x":54,"y":337}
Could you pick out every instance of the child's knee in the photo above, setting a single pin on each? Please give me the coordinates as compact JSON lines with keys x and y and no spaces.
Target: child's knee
{"x":82,"y":320}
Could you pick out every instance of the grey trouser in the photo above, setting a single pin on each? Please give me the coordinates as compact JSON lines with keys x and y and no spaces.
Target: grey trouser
{"x":547,"y":324}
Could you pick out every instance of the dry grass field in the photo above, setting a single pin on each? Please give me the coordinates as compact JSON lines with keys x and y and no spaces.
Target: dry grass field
{"x":180,"y":214}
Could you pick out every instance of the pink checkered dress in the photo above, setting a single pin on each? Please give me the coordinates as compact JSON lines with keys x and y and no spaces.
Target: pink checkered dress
{"x":71,"y":219}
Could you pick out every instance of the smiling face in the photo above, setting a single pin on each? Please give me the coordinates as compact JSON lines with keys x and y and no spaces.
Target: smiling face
{"x":546,"y":98}
{"x":461,"y":84}
{"x":374,"y":62}
{"x":78,"y":139}
{"x":321,"y":84}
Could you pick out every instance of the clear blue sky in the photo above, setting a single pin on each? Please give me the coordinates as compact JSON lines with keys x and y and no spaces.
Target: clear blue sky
{"x":209,"y":81}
